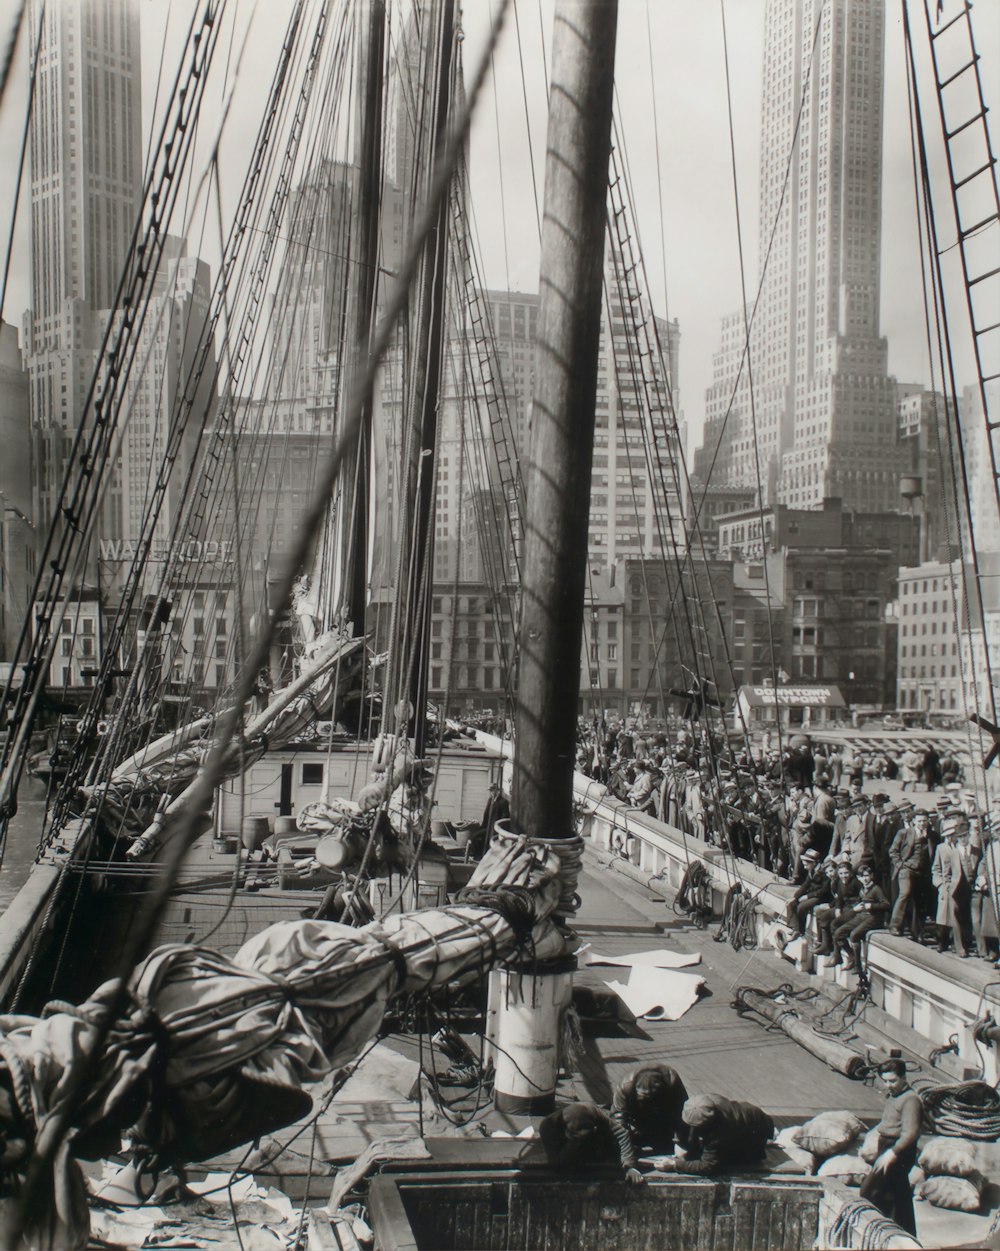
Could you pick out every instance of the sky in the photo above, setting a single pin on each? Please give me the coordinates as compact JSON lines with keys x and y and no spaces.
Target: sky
{"x":671,"y":96}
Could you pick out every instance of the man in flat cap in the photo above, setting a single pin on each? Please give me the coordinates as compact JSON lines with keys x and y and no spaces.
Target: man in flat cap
{"x":723,"y":1134}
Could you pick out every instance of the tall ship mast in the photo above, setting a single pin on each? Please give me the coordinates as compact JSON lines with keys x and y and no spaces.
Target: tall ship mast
{"x":260,"y":853}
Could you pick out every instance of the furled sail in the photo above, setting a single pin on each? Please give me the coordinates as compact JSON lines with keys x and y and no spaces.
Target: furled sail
{"x":200,"y":1053}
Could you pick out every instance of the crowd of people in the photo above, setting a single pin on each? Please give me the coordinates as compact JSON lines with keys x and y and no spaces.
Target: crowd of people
{"x":919,"y":867}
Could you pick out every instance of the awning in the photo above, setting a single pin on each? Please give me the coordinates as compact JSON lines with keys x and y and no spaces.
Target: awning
{"x":792,"y":696}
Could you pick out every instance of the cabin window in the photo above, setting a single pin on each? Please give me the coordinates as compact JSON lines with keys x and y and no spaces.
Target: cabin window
{"x":312,"y":773}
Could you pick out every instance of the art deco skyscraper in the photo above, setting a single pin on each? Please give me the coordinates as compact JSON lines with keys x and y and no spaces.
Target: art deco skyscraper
{"x":821,"y":421}
{"x":86,"y":179}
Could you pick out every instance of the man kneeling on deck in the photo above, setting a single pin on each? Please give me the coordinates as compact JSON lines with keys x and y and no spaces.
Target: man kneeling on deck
{"x":646,"y":1111}
{"x":724,"y":1134}
{"x":578,"y":1135}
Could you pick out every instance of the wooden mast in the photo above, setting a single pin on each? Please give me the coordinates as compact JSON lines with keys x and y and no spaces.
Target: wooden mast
{"x":527,"y":1004}
{"x":356,"y":493}
{"x":408,"y":671}
{"x":560,"y":456}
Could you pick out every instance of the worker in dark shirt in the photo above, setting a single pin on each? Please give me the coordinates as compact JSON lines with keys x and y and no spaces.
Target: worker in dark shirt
{"x":723,"y":1133}
{"x":887,"y":1187}
{"x":579,"y":1135}
{"x":812,"y":892}
{"x":646,"y":1112}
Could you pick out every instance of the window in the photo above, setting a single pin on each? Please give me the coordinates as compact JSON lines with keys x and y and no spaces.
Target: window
{"x":312,"y":773}
{"x":220,"y":625}
{"x":65,"y":647}
{"x":612,"y":651}
{"x":612,"y":677}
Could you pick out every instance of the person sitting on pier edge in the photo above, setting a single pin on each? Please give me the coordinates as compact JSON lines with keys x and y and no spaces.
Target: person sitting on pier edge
{"x":579,"y":1135}
{"x":887,"y":1187}
{"x":845,"y":891}
{"x":867,"y":913}
{"x":814,"y":890}
{"x":646,"y":1112}
{"x":723,"y":1133}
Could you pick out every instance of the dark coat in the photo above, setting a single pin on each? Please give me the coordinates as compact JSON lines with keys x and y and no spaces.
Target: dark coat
{"x":579,"y":1135}
{"x":735,"y":1133}
{"x":654,"y":1121}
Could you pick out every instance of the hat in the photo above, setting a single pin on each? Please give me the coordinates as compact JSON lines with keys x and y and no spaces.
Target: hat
{"x":698,"y":1110}
{"x":880,"y":798}
{"x":810,"y":854}
{"x":943,"y":802}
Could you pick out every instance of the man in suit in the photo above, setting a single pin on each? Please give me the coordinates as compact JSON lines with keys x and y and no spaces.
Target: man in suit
{"x":497,"y":809}
{"x":910,"y":858}
{"x":880,"y":829}
{"x":851,"y":841}
{"x":954,"y":873}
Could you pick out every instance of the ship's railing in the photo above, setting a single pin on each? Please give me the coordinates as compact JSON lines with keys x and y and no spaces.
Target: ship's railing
{"x":936,"y":996}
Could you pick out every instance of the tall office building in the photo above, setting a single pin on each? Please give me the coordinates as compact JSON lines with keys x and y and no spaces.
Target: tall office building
{"x":821,"y":422}
{"x":86,"y":179}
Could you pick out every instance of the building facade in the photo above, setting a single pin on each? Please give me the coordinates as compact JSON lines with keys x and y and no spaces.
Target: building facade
{"x":930,"y":616}
{"x":835,"y":572}
{"x":821,"y":421}
{"x":86,"y":179}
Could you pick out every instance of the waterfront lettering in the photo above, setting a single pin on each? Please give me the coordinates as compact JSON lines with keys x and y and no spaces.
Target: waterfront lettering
{"x":207,"y":551}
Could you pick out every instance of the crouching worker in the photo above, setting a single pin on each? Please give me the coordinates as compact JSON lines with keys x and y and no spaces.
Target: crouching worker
{"x":723,"y":1134}
{"x":579,"y":1135}
{"x":646,"y":1111}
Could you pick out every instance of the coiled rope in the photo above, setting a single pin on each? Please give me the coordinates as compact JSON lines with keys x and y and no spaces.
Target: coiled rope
{"x":859,"y":1224}
{"x":964,"y":1110}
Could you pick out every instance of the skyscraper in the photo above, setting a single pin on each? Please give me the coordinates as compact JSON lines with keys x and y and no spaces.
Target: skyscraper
{"x":86,"y":179}
{"x":821,"y":421}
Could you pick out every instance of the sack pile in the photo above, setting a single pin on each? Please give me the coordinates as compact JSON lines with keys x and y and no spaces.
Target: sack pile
{"x":952,"y":1179}
{"x":826,"y":1146}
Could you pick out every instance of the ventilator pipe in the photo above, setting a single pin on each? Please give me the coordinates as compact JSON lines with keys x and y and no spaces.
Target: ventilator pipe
{"x":526,"y":1010}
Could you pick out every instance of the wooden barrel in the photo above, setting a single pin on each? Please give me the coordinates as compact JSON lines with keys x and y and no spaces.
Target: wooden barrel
{"x":284,"y":826}
{"x":255,"y":831}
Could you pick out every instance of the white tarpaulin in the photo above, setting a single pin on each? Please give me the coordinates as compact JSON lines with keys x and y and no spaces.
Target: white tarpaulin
{"x":661,"y":959}
{"x":658,"y":994}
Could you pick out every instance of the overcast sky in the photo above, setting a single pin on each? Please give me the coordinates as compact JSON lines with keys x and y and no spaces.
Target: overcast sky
{"x":672,"y":98}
